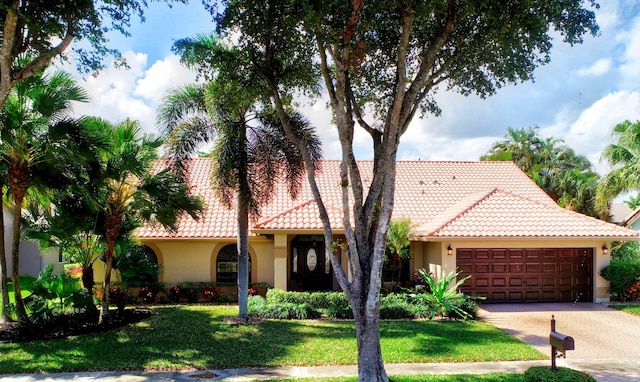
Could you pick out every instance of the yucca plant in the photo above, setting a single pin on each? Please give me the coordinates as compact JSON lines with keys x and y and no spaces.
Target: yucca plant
{"x":444,"y":296}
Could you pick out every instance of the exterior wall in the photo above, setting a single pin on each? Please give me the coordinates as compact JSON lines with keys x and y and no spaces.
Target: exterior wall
{"x":432,"y":254}
{"x":195,"y":260}
{"x":31,"y":262}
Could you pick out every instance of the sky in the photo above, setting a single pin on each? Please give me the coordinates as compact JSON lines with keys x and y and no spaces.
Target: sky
{"x":579,"y":97}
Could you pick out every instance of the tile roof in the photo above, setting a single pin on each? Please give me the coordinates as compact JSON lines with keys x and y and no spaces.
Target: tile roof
{"x":445,"y":199}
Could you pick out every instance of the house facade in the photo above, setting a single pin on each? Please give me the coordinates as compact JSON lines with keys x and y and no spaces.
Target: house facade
{"x":487,"y":219}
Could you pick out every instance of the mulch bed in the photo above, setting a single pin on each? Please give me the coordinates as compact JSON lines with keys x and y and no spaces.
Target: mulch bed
{"x":70,"y":325}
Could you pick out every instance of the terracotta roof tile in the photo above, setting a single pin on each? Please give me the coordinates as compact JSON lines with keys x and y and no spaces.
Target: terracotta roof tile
{"x":479,"y":199}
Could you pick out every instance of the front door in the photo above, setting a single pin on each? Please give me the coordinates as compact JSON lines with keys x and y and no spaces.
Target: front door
{"x":310,"y":269}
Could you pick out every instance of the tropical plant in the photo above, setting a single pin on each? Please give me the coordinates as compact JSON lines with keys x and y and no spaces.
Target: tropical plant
{"x":444,"y":296}
{"x":41,"y":147}
{"x":566,"y":177}
{"x":251,"y":152}
{"x":398,"y":245}
{"x":129,"y":191}
{"x":623,"y":157}
{"x":53,"y":295}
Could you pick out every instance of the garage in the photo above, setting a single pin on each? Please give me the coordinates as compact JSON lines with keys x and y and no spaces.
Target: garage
{"x":527,"y":274}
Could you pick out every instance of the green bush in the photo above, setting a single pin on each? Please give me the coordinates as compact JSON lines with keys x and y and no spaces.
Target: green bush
{"x":627,"y":252}
{"x":338,"y":306}
{"x":279,"y":296}
{"x":622,"y":276}
{"x":288,"y":311}
{"x":544,"y":374}
{"x":469,"y":309}
{"x":255,"y":304}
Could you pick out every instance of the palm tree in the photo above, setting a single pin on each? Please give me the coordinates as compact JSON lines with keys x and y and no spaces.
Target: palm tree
{"x":398,"y":243}
{"x":37,"y":133}
{"x":129,"y":193}
{"x":624,"y":159}
{"x":250,"y":153}
{"x":566,"y":177}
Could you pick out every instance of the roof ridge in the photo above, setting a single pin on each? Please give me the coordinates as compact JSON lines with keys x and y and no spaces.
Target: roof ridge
{"x":485,"y":196}
{"x":283,"y":213}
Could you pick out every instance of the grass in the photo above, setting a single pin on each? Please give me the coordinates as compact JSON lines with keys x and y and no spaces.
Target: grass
{"x":196,"y":337}
{"x":494,"y":377}
{"x":632,"y":309}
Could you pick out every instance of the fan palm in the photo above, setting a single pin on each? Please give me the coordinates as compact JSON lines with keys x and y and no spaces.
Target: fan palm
{"x":250,"y":152}
{"x":38,"y":137}
{"x":624,"y":159}
{"x":129,"y":192}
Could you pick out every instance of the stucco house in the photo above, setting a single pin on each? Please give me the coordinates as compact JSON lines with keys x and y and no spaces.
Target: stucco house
{"x":487,"y":219}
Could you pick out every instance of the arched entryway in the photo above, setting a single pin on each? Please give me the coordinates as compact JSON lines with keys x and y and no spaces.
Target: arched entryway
{"x":227,"y":265}
{"x":310,"y":269}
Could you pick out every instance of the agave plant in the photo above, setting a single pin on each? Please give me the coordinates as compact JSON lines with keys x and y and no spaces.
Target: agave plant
{"x":444,"y":297}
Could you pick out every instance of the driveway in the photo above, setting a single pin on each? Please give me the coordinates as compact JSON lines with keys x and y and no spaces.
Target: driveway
{"x":607,"y":341}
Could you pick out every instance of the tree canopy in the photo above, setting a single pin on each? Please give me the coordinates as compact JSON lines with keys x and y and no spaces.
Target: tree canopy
{"x":565,"y":176}
{"x":624,"y":158}
{"x":389,"y":58}
{"x":44,"y":29}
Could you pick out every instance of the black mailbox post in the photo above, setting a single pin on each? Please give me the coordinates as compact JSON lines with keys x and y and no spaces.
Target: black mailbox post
{"x":559,"y":342}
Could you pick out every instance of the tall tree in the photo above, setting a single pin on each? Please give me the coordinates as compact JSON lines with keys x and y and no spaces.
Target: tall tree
{"x":389,"y":58}
{"x":44,"y":29}
{"x":623,"y":157}
{"x":37,"y":138}
{"x":251,"y":152}
{"x":566,"y":177}
{"x":129,"y":192}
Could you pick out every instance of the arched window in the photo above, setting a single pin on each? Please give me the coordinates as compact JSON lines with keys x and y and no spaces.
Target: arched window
{"x":227,"y":265}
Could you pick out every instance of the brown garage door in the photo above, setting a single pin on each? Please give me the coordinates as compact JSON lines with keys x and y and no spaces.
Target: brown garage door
{"x":518,"y":275}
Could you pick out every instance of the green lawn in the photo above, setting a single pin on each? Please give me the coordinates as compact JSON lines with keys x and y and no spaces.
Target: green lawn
{"x":196,"y":337}
{"x":633,"y":309}
{"x":426,"y":378}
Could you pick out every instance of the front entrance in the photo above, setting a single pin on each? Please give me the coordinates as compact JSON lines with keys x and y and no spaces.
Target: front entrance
{"x":310,"y":269}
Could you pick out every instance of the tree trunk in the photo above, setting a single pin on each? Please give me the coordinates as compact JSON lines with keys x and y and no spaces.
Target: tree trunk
{"x":4,"y":279}
{"x":243,"y":197}
{"x":243,"y":260}
{"x":370,"y":365}
{"x":104,"y":307}
{"x":87,"y":277}
{"x":23,"y":318}
{"x":113,"y":225}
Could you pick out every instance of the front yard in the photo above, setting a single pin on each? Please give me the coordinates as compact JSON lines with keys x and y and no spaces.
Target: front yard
{"x":197,"y":337}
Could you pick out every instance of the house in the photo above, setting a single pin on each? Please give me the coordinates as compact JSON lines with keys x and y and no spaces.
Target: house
{"x":32,"y":259}
{"x":487,"y":219}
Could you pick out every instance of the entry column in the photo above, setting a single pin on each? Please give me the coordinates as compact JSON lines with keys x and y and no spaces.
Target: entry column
{"x":280,"y":261}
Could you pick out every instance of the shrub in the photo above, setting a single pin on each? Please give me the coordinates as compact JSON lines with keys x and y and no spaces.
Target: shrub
{"x":444,"y":296}
{"x":469,"y":307}
{"x":279,"y":296}
{"x":544,"y":374}
{"x":622,"y":276}
{"x":53,"y":295}
{"x":287,"y":311}
{"x":338,"y":306}
{"x":256,"y":304}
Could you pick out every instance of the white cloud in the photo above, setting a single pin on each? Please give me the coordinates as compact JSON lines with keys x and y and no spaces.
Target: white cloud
{"x":163,"y":75}
{"x":599,"y":68}
{"x":117,"y":94}
{"x":591,"y":132}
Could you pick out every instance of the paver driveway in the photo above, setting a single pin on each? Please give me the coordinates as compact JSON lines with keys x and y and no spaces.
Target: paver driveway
{"x":607,"y":341}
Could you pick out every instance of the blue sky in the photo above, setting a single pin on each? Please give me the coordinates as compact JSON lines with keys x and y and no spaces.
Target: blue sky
{"x":579,"y":96}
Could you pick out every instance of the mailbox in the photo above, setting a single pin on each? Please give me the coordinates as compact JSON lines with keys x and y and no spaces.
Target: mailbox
{"x":561,"y":342}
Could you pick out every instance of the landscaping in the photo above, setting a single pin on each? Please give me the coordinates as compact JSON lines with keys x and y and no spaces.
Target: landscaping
{"x":199,"y":337}
{"x":632,"y":309}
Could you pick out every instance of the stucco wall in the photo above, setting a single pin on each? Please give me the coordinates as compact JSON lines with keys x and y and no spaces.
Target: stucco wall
{"x":195,"y":260}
